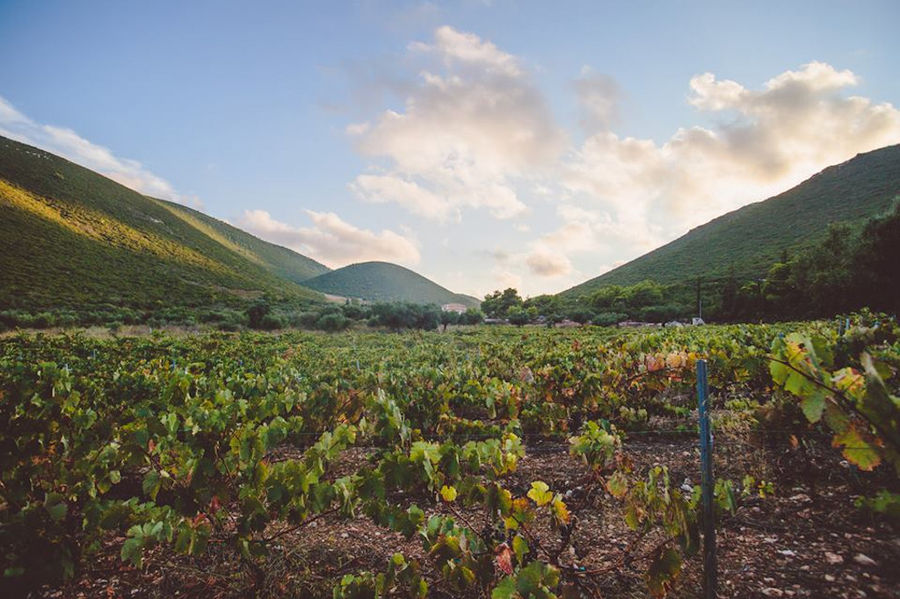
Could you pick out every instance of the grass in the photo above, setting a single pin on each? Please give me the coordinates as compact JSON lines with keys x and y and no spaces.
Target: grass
{"x":385,"y":282}
{"x":70,"y":238}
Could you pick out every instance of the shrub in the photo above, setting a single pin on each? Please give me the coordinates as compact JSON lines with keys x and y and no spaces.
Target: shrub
{"x":271,"y":322}
{"x":607,"y":319}
{"x":332,"y":322}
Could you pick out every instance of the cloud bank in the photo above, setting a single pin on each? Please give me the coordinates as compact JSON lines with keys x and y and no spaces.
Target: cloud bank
{"x":634,"y":194}
{"x":70,"y":145}
{"x":330,"y":240}
{"x":476,"y":132}
{"x":472,"y":132}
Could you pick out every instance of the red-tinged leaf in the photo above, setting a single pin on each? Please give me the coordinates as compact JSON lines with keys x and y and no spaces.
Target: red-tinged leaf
{"x":504,"y":558}
{"x":857,"y":450}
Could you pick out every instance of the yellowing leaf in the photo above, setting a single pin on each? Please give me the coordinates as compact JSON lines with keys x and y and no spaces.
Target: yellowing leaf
{"x":663,"y":570}
{"x":857,"y":450}
{"x":674,"y":360}
{"x":448,"y":493}
{"x":617,"y":485}
{"x":520,"y":547}
{"x":560,"y":511}
{"x":540,"y":493}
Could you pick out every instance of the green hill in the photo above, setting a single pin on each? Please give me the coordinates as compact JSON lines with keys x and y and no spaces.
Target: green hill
{"x":385,"y":282}
{"x":752,"y":238}
{"x":71,"y":238}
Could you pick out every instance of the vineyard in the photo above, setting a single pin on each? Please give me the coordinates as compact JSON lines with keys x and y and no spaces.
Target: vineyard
{"x":485,"y":462}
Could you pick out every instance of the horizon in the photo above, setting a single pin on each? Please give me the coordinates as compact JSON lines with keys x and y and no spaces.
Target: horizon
{"x":440,"y":138}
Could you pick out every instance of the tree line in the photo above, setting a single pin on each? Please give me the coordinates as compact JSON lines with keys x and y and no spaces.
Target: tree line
{"x":851,"y":268}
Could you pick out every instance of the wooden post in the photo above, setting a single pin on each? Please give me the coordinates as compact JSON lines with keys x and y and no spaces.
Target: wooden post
{"x":707,"y":482}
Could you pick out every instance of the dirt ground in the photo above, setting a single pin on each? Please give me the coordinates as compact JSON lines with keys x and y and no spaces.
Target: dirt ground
{"x":806,"y":540}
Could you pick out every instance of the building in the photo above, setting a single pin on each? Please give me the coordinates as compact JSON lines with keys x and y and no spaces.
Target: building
{"x":458,"y":308}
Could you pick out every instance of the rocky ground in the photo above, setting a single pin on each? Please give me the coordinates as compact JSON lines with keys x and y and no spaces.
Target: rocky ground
{"x":807,"y":539}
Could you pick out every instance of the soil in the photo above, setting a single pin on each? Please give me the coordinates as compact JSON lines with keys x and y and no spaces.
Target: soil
{"x":807,"y":539}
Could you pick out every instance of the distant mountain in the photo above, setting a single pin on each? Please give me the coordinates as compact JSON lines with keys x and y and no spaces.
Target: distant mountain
{"x":752,"y":238}
{"x":70,"y":237}
{"x":385,"y":282}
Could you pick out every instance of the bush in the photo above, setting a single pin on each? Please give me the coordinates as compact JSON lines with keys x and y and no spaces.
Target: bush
{"x":270,"y":322}
{"x":43,"y":320}
{"x":256,"y":313}
{"x":332,"y":322}
{"x":660,"y":313}
{"x":607,"y":319}
{"x":580,"y":315}
{"x":304,"y":320}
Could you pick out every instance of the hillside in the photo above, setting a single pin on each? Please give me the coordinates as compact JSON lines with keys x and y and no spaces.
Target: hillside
{"x":751,"y":238}
{"x":385,"y":282}
{"x":71,"y":238}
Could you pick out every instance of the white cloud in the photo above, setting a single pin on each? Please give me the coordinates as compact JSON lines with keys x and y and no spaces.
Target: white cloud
{"x":330,"y":240}
{"x":598,"y":96}
{"x":631,"y":195}
{"x":467,"y":48}
{"x":476,"y":133}
{"x":468,"y":136}
{"x":547,"y":263}
{"x":70,"y":145}
{"x":409,"y":194}
{"x":641,"y":194}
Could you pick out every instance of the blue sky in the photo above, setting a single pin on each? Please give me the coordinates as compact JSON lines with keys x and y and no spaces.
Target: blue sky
{"x":483,"y":144}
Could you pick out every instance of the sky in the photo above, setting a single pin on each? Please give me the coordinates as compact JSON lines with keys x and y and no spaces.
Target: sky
{"x":482,"y":144}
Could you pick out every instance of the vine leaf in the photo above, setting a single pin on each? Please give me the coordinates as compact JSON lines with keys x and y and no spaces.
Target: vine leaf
{"x":540,"y":493}
{"x":856,"y":449}
{"x":617,"y":485}
{"x":662,"y":573}
{"x":813,"y":405}
{"x":448,"y":493}
{"x":505,"y":590}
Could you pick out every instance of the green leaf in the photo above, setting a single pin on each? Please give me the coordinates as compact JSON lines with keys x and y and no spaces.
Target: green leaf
{"x":779,"y":372}
{"x":56,"y":506}
{"x":151,"y":484}
{"x":540,"y":493}
{"x":813,"y":405}
{"x":506,"y":589}
{"x":132,"y":551}
{"x":520,"y":547}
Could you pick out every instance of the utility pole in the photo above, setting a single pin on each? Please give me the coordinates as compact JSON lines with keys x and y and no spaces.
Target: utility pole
{"x":699,"y":301}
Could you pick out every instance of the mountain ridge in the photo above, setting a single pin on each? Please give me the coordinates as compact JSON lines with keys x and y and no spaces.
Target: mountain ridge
{"x":378,"y":281}
{"x":746,"y":241}
{"x":73,"y":238}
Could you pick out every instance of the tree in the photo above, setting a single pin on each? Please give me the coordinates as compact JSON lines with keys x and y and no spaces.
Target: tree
{"x":471,"y":316}
{"x":256,"y":313}
{"x":517,"y":316}
{"x":729,"y":296}
{"x":498,"y":304}
{"x":449,"y":317}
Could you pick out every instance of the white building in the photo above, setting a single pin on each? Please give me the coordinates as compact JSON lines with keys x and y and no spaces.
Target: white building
{"x":458,"y":308}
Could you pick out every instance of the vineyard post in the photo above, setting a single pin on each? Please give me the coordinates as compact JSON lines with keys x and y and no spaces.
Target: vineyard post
{"x":706,"y":481}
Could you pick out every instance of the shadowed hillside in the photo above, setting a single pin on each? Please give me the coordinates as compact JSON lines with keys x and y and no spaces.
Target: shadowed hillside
{"x":385,"y":282}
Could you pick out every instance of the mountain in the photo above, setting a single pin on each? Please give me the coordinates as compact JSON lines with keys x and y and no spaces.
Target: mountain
{"x":71,"y":238}
{"x":385,"y":282}
{"x":749,"y":240}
